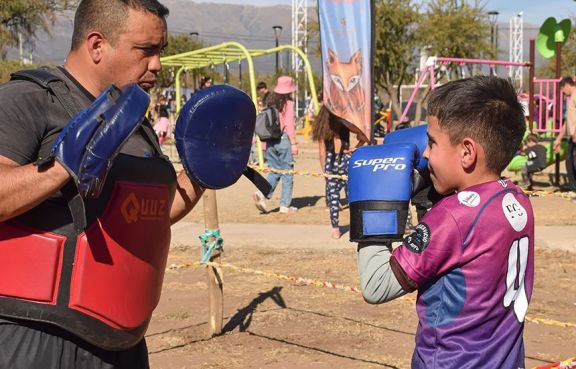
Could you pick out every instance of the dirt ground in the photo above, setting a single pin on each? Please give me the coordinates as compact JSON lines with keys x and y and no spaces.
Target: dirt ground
{"x":271,"y":323}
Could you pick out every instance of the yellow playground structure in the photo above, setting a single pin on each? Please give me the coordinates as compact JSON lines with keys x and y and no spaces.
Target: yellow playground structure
{"x":232,"y":51}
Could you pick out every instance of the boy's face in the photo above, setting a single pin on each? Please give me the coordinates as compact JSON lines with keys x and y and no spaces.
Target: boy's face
{"x":443,"y":159}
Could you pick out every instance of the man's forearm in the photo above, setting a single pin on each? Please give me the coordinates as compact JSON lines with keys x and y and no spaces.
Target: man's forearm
{"x":24,"y":187}
{"x":188,"y":194}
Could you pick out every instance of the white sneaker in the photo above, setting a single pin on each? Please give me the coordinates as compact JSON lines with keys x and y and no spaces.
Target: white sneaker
{"x":285,"y":210}
{"x":260,"y":201}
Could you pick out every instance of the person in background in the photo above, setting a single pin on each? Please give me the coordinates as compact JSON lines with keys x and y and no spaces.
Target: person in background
{"x":206,"y":81}
{"x":263,"y":93}
{"x":568,"y":87}
{"x":333,"y":139}
{"x":280,"y":153}
{"x":536,"y":154}
{"x":162,"y":119}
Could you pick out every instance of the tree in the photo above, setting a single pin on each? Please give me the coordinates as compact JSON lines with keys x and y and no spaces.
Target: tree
{"x":177,"y":44}
{"x":396,"y":42}
{"x":22,"y":18}
{"x":445,"y":28}
{"x":456,"y":29}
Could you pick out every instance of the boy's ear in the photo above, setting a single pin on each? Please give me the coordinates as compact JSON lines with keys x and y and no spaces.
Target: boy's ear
{"x":469,"y":153}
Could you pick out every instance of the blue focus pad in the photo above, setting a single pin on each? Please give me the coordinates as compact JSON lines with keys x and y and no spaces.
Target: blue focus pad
{"x":416,"y":135}
{"x":88,"y":144}
{"x":379,"y":189}
{"x":214,"y":135}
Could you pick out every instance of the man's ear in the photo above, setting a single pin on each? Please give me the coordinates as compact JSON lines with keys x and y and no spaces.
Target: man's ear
{"x":469,"y":153}
{"x":95,"y":43}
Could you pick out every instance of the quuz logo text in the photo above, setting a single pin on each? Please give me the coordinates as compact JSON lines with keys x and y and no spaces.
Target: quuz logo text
{"x":381,"y":163}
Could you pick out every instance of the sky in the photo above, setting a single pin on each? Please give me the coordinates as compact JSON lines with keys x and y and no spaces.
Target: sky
{"x":534,"y":11}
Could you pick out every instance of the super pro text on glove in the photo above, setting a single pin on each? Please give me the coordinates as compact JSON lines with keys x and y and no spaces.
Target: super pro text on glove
{"x":398,"y":163}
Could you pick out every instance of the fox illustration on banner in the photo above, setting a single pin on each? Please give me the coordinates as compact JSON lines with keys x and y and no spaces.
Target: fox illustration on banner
{"x":346,"y":96}
{"x":346,"y":38}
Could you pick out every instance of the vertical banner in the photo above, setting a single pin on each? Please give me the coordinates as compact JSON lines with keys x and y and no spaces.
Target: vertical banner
{"x":346,"y":38}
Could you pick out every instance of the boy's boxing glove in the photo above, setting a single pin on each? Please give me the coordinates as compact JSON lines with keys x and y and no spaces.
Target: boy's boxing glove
{"x":416,"y":135}
{"x":380,"y":186}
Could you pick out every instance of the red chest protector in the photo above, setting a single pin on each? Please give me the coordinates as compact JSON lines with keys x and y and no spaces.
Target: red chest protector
{"x":101,"y":283}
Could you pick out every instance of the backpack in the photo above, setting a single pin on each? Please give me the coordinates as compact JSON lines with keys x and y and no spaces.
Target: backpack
{"x":268,"y":125}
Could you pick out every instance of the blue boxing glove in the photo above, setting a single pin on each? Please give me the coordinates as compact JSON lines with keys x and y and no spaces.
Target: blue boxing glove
{"x":380,"y":186}
{"x":88,"y":144}
{"x":416,"y":135}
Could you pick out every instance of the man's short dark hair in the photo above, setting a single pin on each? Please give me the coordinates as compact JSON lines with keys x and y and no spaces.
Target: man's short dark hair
{"x":261,"y":85}
{"x":109,"y":17}
{"x":484,"y":108}
{"x":566,"y":81}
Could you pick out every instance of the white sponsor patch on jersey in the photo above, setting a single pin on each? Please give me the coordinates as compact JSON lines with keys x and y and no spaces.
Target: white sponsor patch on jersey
{"x":514,"y":212}
{"x":469,"y":198}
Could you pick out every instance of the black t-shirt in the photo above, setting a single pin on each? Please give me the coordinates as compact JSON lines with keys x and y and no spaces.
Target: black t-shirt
{"x":344,"y":134}
{"x":536,"y":158}
{"x":31,"y":119}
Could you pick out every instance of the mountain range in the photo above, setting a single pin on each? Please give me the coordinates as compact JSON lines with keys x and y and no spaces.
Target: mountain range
{"x":216,"y":23}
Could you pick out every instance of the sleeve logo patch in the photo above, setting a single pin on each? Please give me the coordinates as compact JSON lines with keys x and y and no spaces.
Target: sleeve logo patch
{"x":469,"y":198}
{"x":419,"y":240}
{"x":514,"y":212}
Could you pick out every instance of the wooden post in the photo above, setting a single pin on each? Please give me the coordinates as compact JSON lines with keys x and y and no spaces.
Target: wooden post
{"x":215,"y":278}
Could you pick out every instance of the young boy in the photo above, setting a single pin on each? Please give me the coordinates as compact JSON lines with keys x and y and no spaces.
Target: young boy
{"x":471,"y":257}
{"x":536,"y":155}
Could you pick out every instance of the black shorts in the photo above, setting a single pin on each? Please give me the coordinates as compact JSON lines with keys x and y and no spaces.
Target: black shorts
{"x":32,"y":345}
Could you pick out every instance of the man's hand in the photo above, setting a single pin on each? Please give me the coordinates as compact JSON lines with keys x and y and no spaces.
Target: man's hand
{"x":557,"y":143}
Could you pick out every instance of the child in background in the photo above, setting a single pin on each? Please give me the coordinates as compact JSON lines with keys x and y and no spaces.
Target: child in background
{"x":162,"y":119}
{"x":334,"y":148}
{"x":471,"y":258}
{"x":536,"y":154}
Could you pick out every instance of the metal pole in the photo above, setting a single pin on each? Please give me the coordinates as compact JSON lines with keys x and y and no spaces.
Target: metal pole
{"x":276,"y":56}
{"x":277,"y":33}
{"x":531,"y":83}
{"x":558,"y":106}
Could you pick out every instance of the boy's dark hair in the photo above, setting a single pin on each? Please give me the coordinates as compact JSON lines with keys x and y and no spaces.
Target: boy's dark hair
{"x":532,"y":138}
{"x":109,"y":17}
{"x":261,"y":85}
{"x":484,"y":108}
{"x":566,"y":81}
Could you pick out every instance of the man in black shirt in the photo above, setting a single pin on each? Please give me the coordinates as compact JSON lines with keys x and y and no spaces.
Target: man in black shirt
{"x":82,"y":297}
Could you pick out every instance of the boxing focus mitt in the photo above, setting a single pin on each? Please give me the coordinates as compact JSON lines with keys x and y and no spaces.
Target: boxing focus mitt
{"x":214,"y":135}
{"x":88,"y":144}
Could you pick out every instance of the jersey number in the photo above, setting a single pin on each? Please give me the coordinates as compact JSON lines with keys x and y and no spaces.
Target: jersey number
{"x":515,"y":290}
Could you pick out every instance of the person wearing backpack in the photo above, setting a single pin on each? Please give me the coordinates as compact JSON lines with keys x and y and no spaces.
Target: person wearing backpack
{"x":280,"y":152}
